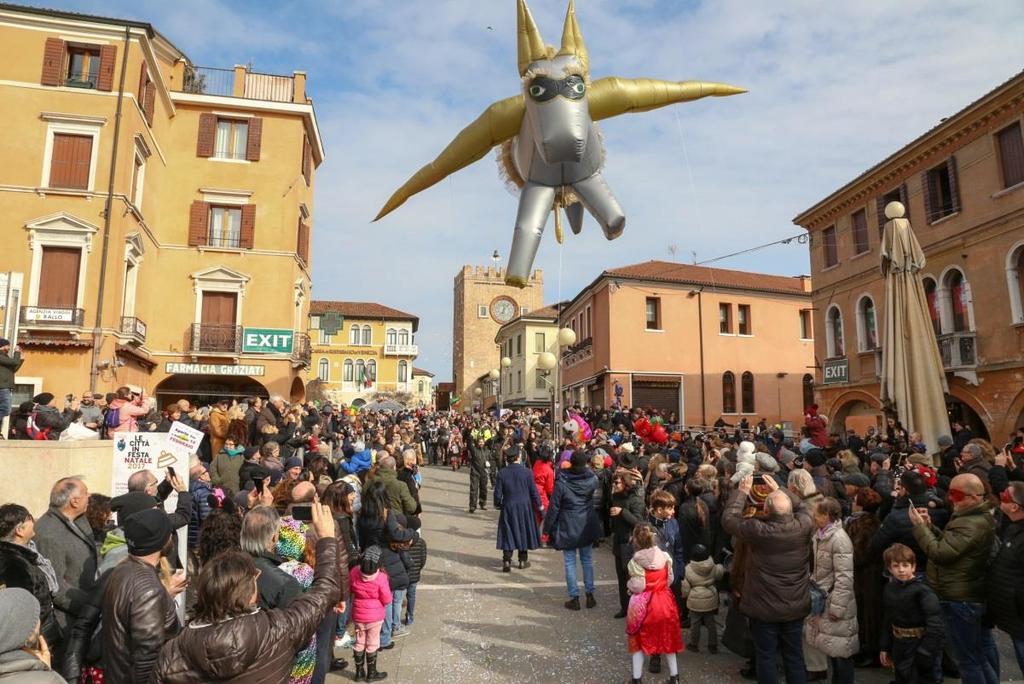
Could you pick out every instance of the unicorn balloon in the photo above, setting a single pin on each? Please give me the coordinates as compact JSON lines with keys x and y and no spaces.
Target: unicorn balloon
{"x":550,"y":147}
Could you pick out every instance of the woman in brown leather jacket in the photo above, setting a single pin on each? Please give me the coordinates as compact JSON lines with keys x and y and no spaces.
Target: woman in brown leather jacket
{"x":231,"y":639}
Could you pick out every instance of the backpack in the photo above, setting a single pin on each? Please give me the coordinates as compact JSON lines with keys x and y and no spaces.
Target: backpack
{"x":112,"y":419}
{"x":33,"y":430}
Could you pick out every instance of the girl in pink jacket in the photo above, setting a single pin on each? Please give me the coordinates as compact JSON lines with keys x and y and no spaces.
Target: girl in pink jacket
{"x":371,"y":594}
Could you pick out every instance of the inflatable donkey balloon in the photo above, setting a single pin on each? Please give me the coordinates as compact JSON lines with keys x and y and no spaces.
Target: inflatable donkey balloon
{"x":549,"y":142}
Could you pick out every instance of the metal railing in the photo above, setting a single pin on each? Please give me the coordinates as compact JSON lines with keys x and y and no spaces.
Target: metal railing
{"x":209,"y":81}
{"x":51,"y":316}
{"x":201,"y":80}
{"x":302,"y":349}
{"x":135,"y":327}
{"x":401,"y":350}
{"x":204,"y":337}
{"x":958,"y":350}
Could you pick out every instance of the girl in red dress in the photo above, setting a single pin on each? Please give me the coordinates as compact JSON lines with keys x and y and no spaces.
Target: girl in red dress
{"x":653,"y":617}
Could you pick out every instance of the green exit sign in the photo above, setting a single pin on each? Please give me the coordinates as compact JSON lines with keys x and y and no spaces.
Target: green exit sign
{"x":267,"y":341}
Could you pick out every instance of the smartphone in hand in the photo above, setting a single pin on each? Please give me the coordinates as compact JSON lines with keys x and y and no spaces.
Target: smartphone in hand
{"x":303,"y":512}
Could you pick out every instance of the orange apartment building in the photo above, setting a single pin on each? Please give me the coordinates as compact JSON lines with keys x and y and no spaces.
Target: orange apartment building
{"x":962,"y":183}
{"x":157,"y":213}
{"x":691,"y":340}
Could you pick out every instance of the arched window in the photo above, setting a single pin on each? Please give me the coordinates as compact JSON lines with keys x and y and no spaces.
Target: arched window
{"x":348,"y":371}
{"x":421,"y":387}
{"x":747,"y":388}
{"x":361,"y":372}
{"x":955,"y":302}
{"x":867,"y":328}
{"x":371,"y":370}
{"x":367,"y":335}
{"x":808,"y":387}
{"x":834,"y":333}
{"x":932,"y":295}
{"x":1015,"y":281}
{"x":324,"y":370}
{"x":353,"y":335}
{"x":728,"y":392}
{"x":403,"y":371}
{"x":403,"y":337}
{"x":391,"y":337}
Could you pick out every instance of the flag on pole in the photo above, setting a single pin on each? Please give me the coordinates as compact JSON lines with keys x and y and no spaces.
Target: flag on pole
{"x":458,"y":400}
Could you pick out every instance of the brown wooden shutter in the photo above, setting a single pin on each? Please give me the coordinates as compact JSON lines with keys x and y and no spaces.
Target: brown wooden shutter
{"x":248,"y":230}
{"x":207,"y":135}
{"x":926,"y":192}
{"x":302,"y":248}
{"x":71,"y":161}
{"x":53,"y":62}
{"x":307,"y":160}
{"x":880,"y":208}
{"x":252,"y":145}
{"x":954,"y":184}
{"x":108,"y":55}
{"x":143,"y":80}
{"x":198,"y":223}
{"x":149,"y":102}
{"x":1011,"y":155}
{"x":58,"y":277}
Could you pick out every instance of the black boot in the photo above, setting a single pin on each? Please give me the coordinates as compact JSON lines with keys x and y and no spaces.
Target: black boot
{"x":371,"y":669}
{"x":360,"y":659}
{"x":506,"y":566}
{"x":591,"y":601}
{"x":654,"y":667}
{"x":674,"y":679}
{"x":573,"y":603}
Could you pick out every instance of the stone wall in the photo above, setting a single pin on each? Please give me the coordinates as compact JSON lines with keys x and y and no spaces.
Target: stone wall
{"x":30,"y":469}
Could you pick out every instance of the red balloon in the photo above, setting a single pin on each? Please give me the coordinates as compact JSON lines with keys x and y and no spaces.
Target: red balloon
{"x":659,"y":435}
{"x":642,"y":427}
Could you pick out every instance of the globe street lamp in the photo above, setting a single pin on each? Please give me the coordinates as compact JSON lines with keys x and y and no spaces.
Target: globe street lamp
{"x":493,"y":376}
{"x":506,"y":362}
{"x":566,"y":338}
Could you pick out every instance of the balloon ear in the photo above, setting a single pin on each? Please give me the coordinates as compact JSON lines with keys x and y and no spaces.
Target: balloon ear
{"x":572,"y":40}
{"x":531,"y":45}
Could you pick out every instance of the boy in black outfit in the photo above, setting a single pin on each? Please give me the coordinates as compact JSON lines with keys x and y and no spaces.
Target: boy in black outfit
{"x":912,"y":627}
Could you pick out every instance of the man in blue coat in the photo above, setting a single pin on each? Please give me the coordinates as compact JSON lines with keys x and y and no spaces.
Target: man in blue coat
{"x":572,"y":523}
{"x":516,"y":496}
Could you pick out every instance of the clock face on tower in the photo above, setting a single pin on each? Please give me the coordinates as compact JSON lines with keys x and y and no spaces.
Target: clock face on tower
{"x":503,"y":309}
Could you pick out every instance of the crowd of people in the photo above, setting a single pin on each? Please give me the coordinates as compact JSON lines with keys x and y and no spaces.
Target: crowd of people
{"x":826,"y":552}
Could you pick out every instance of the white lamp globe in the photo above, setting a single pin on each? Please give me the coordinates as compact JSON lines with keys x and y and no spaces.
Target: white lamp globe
{"x":506,"y":362}
{"x":493,"y":374}
{"x":546,"y":361}
{"x":478,"y":391}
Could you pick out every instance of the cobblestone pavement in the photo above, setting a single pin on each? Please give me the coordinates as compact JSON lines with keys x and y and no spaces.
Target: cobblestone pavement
{"x":476,"y":624}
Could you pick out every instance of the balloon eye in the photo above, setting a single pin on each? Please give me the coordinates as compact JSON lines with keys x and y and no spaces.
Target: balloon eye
{"x":579,"y":88}
{"x":536,"y":90}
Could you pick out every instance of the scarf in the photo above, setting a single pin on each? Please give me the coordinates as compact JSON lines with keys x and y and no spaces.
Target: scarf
{"x":46,"y":566}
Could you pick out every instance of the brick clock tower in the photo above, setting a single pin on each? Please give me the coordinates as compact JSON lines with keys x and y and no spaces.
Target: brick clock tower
{"x":483,"y":303}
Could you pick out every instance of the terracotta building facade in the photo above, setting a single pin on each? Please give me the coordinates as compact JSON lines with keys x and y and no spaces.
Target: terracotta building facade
{"x":482,"y":304}
{"x":697,"y":342}
{"x":157,"y":213}
{"x":962,"y":183}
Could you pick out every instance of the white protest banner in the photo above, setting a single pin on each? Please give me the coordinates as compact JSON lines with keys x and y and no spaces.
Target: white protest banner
{"x":183,"y":438}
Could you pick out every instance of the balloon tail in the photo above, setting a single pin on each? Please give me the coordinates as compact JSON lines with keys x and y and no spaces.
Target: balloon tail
{"x":559,"y":236}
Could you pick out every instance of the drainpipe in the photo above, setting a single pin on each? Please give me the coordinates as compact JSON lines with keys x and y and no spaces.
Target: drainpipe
{"x":700,"y":334}
{"x":97,"y":331}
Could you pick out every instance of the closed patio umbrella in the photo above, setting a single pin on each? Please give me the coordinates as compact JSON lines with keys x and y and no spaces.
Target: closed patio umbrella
{"x":913,"y":378}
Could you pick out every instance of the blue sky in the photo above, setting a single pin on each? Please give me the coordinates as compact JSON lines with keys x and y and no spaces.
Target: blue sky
{"x":834,"y":88}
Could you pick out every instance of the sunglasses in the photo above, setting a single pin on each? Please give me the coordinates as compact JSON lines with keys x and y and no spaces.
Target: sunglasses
{"x":1007,"y":497}
{"x":956,"y":495}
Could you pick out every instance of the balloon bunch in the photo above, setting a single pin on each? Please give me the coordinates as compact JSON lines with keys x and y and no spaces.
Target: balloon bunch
{"x":650,"y":432}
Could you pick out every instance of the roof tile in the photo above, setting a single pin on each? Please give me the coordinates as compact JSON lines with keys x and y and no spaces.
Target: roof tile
{"x":669,"y":272}
{"x":370,"y":310}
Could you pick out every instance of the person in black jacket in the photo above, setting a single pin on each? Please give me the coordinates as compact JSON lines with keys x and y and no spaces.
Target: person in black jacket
{"x":627,"y":509}
{"x":911,"y":490}
{"x":417,"y":559}
{"x":571,"y":523}
{"x":380,"y":526}
{"x":912,"y":626}
{"x":480,"y":456}
{"x":1006,"y":596}
{"x":24,"y":567}
{"x":259,"y":538}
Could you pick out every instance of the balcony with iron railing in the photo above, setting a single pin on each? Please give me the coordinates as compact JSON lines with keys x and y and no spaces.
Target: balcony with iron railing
{"x":302,"y":350}
{"x":959,"y":351}
{"x":51,"y":316}
{"x":401,"y":350}
{"x":214,"y":338}
{"x":241,"y":81}
{"x":134,"y":328}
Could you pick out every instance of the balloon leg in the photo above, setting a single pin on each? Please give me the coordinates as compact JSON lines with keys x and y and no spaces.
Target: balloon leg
{"x":575,"y":213}
{"x":597,"y":197}
{"x":535,"y":202}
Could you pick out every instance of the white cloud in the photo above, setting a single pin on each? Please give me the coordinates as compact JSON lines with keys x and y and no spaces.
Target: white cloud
{"x":834,"y":88}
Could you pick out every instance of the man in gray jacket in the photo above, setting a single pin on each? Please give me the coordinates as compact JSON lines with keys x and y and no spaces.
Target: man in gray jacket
{"x":776,"y":584}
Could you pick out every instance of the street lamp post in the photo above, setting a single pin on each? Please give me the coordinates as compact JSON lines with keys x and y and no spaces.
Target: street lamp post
{"x":493,"y":375}
{"x":548,"y":362}
{"x":506,"y":362}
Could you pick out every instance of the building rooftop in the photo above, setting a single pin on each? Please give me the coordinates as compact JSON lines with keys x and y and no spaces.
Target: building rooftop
{"x":362,"y":310}
{"x":420,"y":371}
{"x":946,"y":126}
{"x":690,"y":274}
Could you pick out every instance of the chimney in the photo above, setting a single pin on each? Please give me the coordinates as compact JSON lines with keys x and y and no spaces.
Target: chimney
{"x":299,"y":87}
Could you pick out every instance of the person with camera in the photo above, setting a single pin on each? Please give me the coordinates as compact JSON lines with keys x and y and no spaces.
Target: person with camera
{"x":9,"y":365}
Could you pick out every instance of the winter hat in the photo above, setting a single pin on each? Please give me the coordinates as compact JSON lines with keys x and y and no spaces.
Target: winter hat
{"x":4,"y":342}
{"x":131,"y":503}
{"x":742,"y":470}
{"x":359,"y":446}
{"x":748,"y":458}
{"x":945,"y":441}
{"x":293,"y":462}
{"x":21,"y":615}
{"x":918,"y":458}
{"x":766,"y":462}
{"x":627,"y":447}
{"x":251,"y":452}
{"x":371,"y":560}
{"x":786,"y":457}
{"x":699,"y":553}
{"x":745,"y":447}
{"x":43,"y":398}
{"x":856,"y":480}
{"x":291,"y":539}
{"x":147,"y":531}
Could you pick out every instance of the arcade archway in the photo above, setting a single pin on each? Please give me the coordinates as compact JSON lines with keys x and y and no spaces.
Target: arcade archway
{"x":203,"y":390}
